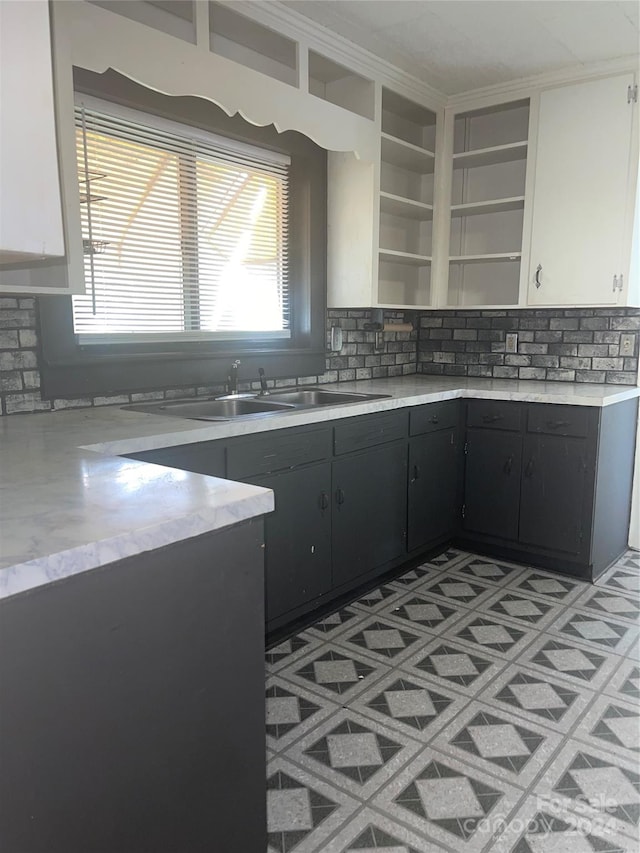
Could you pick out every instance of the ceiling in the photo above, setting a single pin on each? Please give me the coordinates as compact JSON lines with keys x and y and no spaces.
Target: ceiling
{"x":460,"y":45}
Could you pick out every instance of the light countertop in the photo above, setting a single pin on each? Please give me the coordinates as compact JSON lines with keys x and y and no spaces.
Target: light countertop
{"x":69,"y":503}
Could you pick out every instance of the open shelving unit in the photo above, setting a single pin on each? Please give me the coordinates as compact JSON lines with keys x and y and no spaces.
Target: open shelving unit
{"x":237,"y":37}
{"x":340,"y":86}
{"x":406,"y":202}
{"x":487,"y":204}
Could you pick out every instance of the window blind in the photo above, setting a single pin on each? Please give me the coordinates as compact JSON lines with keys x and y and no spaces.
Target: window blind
{"x":185,"y":234}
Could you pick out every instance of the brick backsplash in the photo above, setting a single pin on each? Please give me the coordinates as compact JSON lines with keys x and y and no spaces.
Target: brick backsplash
{"x":358,"y":359}
{"x":572,"y":345}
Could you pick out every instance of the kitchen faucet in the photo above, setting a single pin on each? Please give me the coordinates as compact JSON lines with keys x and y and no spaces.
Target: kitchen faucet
{"x":232,"y":378}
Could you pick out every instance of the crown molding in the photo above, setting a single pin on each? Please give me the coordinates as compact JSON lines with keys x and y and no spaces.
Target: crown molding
{"x":524,"y":86}
{"x":287,"y":21}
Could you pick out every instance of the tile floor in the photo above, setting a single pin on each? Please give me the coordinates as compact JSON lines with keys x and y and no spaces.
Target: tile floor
{"x":469,"y":705}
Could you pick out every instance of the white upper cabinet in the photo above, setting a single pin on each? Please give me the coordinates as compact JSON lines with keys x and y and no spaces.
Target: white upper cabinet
{"x":582,"y":202}
{"x":30,"y":207}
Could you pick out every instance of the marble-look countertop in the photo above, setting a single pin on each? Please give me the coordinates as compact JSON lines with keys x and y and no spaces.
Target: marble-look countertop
{"x":69,"y":503}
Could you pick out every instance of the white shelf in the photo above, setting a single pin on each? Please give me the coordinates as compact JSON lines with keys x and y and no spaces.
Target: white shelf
{"x":482,"y":259}
{"x":407,"y":258}
{"x":398,"y":205}
{"x":490,"y":156}
{"x":407,"y":155}
{"x":499,"y":205}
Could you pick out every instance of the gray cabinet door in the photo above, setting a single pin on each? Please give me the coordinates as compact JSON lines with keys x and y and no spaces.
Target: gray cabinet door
{"x":433,"y":488}
{"x":492,"y":483}
{"x":297,"y":538}
{"x":369,"y":510}
{"x":554,"y":489}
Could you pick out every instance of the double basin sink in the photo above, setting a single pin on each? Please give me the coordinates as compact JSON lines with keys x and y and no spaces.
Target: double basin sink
{"x":231,"y":407}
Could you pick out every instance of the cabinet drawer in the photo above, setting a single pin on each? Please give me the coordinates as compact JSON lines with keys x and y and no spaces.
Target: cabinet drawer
{"x":277,"y":451}
{"x":493,"y":414}
{"x":558,"y":420}
{"x":369,"y":430}
{"x":433,"y":417}
{"x":205,"y":457}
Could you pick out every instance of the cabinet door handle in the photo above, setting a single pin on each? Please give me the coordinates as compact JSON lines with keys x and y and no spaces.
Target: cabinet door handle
{"x":324,"y":500}
{"x":528,"y":471}
{"x":615,"y":283}
{"x":557,"y":424}
{"x":538,"y":271}
{"x":339,"y":497}
{"x":416,"y":473}
{"x":508,"y":465}
{"x":435,"y":419}
{"x":491,"y":419}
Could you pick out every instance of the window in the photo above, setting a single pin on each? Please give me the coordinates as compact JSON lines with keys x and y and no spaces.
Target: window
{"x":174,"y":308}
{"x":185,"y":233}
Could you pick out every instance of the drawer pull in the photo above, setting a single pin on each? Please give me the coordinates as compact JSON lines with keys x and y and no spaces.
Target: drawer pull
{"x":416,"y":473}
{"x":324,"y":500}
{"x":557,"y":424}
{"x":491,"y":419}
{"x":528,"y":471}
{"x":339,"y":497}
{"x":435,"y":419}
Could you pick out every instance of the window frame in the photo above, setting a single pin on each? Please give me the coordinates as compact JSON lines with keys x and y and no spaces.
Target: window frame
{"x":70,"y":369}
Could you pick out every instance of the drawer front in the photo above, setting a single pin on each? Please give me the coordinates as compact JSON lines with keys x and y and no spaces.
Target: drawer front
{"x":558,"y":420}
{"x":277,"y":451}
{"x":369,"y":430}
{"x":494,"y":414}
{"x":206,"y":457}
{"x":433,"y":417}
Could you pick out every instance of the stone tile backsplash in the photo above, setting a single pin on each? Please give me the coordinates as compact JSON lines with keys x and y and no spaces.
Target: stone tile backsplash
{"x":564,"y":345}
{"x":573,"y":345}
{"x":358,"y":359}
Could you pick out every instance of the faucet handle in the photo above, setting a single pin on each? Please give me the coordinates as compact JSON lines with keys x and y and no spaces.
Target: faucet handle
{"x":264,"y":391}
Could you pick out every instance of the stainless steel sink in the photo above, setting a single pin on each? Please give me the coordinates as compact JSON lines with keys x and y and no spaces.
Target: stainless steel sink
{"x":309,"y":397}
{"x":247,"y":406}
{"x":213,"y":410}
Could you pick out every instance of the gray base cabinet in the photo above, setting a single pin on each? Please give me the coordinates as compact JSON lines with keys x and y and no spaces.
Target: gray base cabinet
{"x":434,"y":481}
{"x":297,"y":538}
{"x":370,"y":511}
{"x":545,"y":484}
{"x":133,"y":704}
{"x":536,"y":477}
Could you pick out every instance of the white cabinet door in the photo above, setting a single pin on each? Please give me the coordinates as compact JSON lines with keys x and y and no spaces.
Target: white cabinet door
{"x":582,"y":171}
{"x":30,"y":207}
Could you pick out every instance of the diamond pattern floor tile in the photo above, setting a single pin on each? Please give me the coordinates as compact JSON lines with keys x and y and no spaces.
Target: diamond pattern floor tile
{"x":302,"y":811}
{"x":538,"y":697}
{"x":422,"y":611}
{"x":544,"y":827}
{"x":499,"y":742}
{"x":596,"y":630}
{"x":612,"y":724}
{"x":371,"y":832}
{"x":595,"y":782}
{"x":469,"y":705}
{"x":446,"y":800}
{"x":381,"y":639}
{"x":354,"y":752}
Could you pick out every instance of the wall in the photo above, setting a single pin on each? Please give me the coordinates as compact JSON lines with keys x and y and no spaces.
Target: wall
{"x":572,"y":345}
{"x":20,"y":375}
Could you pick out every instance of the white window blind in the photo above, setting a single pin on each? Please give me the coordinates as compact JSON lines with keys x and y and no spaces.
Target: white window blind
{"x":184,"y":233}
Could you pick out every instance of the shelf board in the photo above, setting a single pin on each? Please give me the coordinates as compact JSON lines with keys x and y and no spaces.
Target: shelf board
{"x":408,"y":208}
{"x":497,"y":205}
{"x":485,"y":259}
{"x":395,"y":257}
{"x":407,"y":155}
{"x":413,"y":306}
{"x":490,"y":156}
